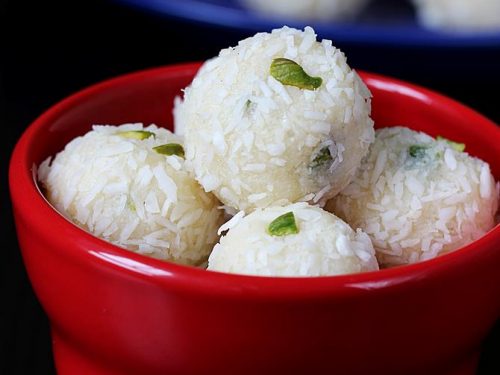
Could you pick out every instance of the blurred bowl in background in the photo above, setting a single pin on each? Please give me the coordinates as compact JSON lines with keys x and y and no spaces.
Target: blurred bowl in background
{"x":385,"y":38}
{"x":113,"y":311}
{"x":382,"y":23}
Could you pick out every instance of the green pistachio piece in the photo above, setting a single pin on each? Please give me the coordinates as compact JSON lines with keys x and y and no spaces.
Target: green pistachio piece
{"x":288,"y":72}
{"x":283,"y":225}
{"x":454,"y":145}
{"x":322,"y":157}
{"x":131,"y":206}
{"x":170,"y":149}
{"x":417,"y":151}
{"x":136,"y":134}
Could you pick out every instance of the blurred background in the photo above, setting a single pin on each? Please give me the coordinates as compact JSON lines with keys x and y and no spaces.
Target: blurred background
{"x":50,"y":49}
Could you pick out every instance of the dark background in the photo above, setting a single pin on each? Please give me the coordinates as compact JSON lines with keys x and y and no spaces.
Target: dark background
{"x":50,"y":49}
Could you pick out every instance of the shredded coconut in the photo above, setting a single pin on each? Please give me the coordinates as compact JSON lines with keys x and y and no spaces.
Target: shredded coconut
{"x":123,"y":191}
{"x":324,"y":245}
{"x":417,"y":207}
{"x":270,"y":131}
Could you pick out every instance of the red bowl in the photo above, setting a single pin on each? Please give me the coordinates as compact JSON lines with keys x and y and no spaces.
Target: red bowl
{"x":116,"y":312}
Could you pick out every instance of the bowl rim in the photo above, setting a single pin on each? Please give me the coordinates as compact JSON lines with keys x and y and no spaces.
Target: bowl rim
{"x":24,"y":188}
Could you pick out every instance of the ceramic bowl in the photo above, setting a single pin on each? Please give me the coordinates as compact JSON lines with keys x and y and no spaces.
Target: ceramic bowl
{"x":116,"y":312}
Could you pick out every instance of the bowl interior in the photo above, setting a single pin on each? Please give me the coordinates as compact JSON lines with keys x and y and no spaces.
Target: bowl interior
{"x":148,"y":97}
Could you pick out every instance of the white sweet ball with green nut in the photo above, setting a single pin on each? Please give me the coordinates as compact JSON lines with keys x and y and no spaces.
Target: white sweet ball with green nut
{"x":115,"y":184}
{"x":294,"y":240}
{"x":277,"y":119}
{"x":308,"y":9}
{"x":417,"y":197}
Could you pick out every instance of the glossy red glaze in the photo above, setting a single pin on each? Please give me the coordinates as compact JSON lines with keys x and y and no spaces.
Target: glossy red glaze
{"x":116,"y":312}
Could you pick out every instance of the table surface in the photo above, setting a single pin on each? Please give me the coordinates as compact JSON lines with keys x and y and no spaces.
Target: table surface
{"x":53,"y":48}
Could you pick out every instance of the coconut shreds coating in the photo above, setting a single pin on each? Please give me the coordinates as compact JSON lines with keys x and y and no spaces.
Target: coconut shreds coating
{"x":123,"y":191}
{"x":324,"y":245}
{"x":459,"y":15}
{"x":255,"y":142}
{"x":417,"y":197}
{"x":308,"y":9}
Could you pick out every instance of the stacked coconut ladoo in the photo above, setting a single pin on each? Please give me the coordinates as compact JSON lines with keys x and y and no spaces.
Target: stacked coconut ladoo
{"x":280,"y":124}
{"x":278,"y":129}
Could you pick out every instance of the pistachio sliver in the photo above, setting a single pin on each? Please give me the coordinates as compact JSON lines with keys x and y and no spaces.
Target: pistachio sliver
{"x":288,"y":72}
{"x":170,"y":149}
{"x":136,"y":134}
{"x":283,"y":225}
{"x":454,"y":145}
{"x":417,"y":151}
{"x":322,"y":157}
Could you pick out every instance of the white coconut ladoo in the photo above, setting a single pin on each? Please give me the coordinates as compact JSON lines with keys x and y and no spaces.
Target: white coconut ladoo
{"x":278,"y":119}
{"x":294,"y":240}
{"x":308,"y":9}
{"x":459,"y":15}
{"x":128,"y":185}
{"x":417,"y":197}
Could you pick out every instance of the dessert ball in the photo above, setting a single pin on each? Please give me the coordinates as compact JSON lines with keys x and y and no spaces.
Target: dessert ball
{"x":461,"y":16}
{"x":129,"y":186}
{"x":294,"y":240}
{"x":324,"y":10}
{"x":280,"y":118}
{"x":417,"y":197}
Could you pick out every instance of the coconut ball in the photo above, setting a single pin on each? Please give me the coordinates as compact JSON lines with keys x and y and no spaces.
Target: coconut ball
{"x":417,"y":197}
{"x":277,"y":119}
{"x":294,"y":240}
{"x":129,"y":186}
{"x":459,"y":15}
{"x":324,"y":10}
